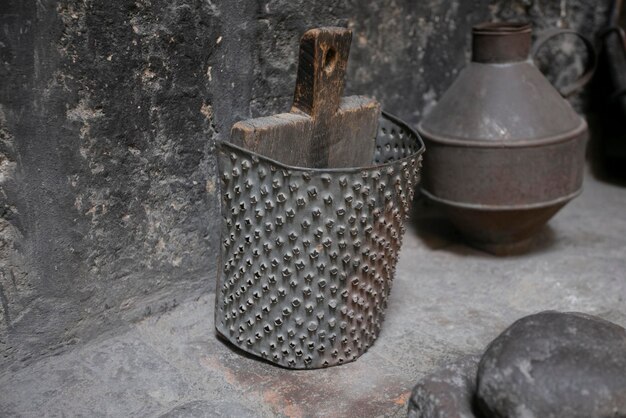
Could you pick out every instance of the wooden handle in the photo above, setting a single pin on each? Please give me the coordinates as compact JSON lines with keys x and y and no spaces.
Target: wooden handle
{"x":321,"y":71}
{"x":323,"y":129}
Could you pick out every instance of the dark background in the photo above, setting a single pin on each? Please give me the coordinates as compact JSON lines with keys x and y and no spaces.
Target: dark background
{"x":109,"y":111}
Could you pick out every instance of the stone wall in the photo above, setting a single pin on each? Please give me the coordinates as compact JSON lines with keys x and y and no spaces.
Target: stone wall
{"x":109,"y":112}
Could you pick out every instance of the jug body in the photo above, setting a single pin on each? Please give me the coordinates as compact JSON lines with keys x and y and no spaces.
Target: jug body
{"x":505,"y":150}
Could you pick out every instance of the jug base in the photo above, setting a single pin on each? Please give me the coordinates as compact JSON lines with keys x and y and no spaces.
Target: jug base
{"x":498,"y":231}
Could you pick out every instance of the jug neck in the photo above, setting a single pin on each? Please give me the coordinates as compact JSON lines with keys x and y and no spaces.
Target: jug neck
{"x":495,"y":42}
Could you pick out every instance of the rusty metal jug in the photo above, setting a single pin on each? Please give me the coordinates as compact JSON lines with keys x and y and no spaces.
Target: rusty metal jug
{"x":505,"y":150}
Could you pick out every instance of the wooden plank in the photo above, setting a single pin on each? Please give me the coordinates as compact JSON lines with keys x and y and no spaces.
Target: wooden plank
{"x":353,"y":139}
{"x":275,"y":137}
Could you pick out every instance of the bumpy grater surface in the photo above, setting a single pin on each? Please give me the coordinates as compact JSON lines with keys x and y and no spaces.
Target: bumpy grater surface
{"x":308,"y":255}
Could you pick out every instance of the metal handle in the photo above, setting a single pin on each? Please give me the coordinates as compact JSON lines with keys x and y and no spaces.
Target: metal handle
{"x":613,"y":45}
{"x":587,"y":75}
{"x":614,"y":12}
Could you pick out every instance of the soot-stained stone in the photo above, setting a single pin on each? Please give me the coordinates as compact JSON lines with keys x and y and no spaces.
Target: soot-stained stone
{"x":446,"y":393}
{"x":551,"y":365}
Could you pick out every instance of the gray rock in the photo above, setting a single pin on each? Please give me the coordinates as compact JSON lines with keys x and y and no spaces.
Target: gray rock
{"x":553,"y":364}
{"x":446,"y":393}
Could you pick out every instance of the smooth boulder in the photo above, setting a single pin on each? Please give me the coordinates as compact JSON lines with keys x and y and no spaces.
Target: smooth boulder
{"x":553,"y":365}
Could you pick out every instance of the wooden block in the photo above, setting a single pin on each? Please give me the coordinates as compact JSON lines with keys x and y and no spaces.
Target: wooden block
{"x":275,"y":137}
{"x":323,"y":129}
{"x":353,"y":137}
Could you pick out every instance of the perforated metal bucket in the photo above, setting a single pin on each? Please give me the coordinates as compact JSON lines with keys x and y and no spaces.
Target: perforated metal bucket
{"x":308,"y":255}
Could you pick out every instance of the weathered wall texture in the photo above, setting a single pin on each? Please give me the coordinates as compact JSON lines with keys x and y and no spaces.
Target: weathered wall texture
{"x":109,"y":111}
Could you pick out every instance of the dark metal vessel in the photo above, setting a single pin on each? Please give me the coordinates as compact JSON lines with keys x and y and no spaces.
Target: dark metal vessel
{"x":309,"y":254}
{"x":313,"y":210}
{"x":613,"y":90}
{"x":505,"y":150}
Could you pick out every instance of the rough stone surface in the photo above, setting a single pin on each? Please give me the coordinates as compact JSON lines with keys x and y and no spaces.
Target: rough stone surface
{"x":108,"y":115}
{"x":552,"y":365}
{"x":209,"y":409}
{"x":447,"y":300}
{"x":446,"y":393}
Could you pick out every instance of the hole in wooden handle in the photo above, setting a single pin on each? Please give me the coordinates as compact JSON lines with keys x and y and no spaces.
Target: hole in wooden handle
{"x":330,"y":59}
